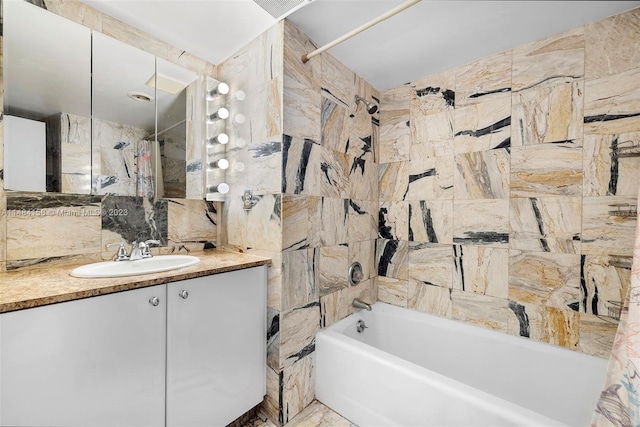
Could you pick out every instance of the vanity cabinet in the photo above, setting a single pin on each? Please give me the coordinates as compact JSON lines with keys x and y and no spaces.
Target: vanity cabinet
{"x":189,"y":353}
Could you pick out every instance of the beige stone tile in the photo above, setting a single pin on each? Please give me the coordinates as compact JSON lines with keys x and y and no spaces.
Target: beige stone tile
{"x":363,"y":179}
{"x":298,"y":329}
{"x":191,"y":221}
{"x":339,"y":304}
{"x":273,"y":338}
{"x":481,"y":310}
{"x":604,"y":233}
{"x":563,"y":327}
{"x":337,"y":80}
{"x":394,"y":181}
{"x":333,"y":268}
{"x":334,"y":221}
{"x":393,"y":221}
{"x":431,"y":221}
{"x":612,"y":104}
{"x":433,"y":94}
{"x":271,"y":402}
{"x":77,"y":12}
{"x":481,"y":222}
{"x":318,"y":415}
{"x":435,"y":130}
{"x":335,"y":126}
{"x":482,"y":175}
{"x":395,"y":131}
{"x":393,"y":291}
{"x":429,"y":177}
{"x":481,"y":270}
{"x":612,"y":45}
{"x":430,"y":299}
{"x":274,"y":276}
{"x":486,"y":79}
{"x":605,"y":281}
{"x":597,"y":334}
{"x":483,"y":125}
{"x":549,"y":113}
{"x":431,"y":264}
{"x":300,"y":277}
{"x":134,"y":37}
{"x":545,"y":61}
{"x":298,"y":387}
{"x":546,"y":224}
{"x":543,"y":278}
{"x":606,"y":174}
{"x":546,"y":170}
{"x":363,"y":220}
{"x":301,"y":100}
{"x":301,"y":225}
{"x":391,"y":259}
{"x":364,"y":252}
{"x":264,"y":224}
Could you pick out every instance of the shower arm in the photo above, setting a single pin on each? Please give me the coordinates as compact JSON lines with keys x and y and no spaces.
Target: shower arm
{"x":361,"y":28}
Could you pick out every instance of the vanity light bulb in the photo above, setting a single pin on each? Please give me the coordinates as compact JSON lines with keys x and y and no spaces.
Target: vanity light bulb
{"x":219,"y":164}
{"x":221,"y":138}
{"x":239,"y":166}
{"x":221,"y":89}
{"x":239,"y":118}
{"x":222,"y":113}
{"x":240,"y":143}
{"x":221,"y":188}
{"x":240,"y":95}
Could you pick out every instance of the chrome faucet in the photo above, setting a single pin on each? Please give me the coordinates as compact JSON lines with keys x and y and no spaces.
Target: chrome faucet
{"x":139,"y":250}
{"x":358,"y":303}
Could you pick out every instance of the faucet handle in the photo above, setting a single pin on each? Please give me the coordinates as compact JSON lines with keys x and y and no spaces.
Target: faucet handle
{"x":145,"y":249}
{"x":122,"y":251}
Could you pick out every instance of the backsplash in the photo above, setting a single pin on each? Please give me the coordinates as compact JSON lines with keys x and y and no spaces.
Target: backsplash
{"x":45,"y":228}
{"x":498,"y":180}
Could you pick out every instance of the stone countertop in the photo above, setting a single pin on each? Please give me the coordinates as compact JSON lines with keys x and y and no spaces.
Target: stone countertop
{"x":33,"y":287}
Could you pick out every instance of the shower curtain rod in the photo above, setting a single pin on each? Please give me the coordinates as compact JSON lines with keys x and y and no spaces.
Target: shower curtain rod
{"x":360,"y":29}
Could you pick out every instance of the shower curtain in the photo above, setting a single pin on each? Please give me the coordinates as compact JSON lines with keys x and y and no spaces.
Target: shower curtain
{"x":144,"y":170}
{"x":619,"y":403}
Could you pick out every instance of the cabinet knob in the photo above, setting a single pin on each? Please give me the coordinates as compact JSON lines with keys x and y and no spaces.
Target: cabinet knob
{"x":154,"y":301}
{"x":183,"y":294}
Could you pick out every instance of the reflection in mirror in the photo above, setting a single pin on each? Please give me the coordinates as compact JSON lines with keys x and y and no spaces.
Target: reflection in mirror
{"x":123,"y":118}
{"x":179,"y":136}
{"x":47,"y":101}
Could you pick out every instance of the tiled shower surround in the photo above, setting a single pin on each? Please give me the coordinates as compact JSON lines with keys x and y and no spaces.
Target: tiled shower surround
{"x":482,"y":193}
{"x":497,"y":183}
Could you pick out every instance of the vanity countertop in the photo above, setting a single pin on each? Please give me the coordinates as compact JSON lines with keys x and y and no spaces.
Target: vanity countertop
{"x":33,"y":287}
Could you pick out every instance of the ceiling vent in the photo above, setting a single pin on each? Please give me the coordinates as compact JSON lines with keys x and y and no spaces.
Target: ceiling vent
{"x":281,"y":8}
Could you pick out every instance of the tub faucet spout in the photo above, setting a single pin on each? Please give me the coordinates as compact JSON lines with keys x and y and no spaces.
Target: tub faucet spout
{"x":358,"y":303}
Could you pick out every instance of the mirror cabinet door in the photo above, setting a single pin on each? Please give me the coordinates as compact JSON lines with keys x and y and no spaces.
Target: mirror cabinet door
{"x":179,"y":97}
{"x":47,"y":101}
{"x":124,"y":118}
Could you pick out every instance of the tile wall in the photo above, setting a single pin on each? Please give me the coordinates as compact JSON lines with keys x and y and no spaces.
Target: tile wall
{"x":497,"y":180}
{"x":311,"y":164}
{"x":44,"y":228}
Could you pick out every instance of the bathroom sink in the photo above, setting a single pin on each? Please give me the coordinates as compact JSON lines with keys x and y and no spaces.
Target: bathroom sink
{"x":155,"y":264}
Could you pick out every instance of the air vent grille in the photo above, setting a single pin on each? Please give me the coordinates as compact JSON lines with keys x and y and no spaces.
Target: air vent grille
{"x":278,"y":8}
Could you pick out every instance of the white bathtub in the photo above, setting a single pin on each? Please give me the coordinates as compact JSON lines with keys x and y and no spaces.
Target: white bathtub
{"x":414,"y":369}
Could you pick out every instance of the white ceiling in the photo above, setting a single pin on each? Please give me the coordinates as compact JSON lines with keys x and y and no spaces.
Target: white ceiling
{"x":429,"y":37}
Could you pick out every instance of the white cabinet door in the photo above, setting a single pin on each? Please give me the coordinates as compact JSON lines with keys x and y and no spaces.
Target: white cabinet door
{"x":216,"y":347}
{"x":92,"y":362}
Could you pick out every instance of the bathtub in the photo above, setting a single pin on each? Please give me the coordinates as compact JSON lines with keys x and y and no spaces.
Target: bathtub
{"x":414,"y":369}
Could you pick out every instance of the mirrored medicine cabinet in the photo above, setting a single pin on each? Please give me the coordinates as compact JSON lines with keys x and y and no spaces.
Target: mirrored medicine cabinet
{"x":87,"y":114}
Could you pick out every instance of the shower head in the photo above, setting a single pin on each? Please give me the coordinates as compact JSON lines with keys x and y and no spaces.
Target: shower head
{"x":371,"y":107}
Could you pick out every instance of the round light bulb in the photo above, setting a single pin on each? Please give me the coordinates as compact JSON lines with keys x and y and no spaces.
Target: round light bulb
{"x":240,"y":143}
{"x":240,"y":118}
{"x":221,"y":138}
{"x":239,"y":166}
{"x":223,"y":163}
{"x":221,"y":188}
{"x":222,"y":113}
{"x":240,"y":95}
{"x":221,"y":89}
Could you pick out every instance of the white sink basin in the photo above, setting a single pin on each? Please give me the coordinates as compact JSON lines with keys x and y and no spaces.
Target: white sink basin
{"x":155,"y":264}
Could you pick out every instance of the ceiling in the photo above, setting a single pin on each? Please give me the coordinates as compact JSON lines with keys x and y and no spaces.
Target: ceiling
{"x":429,"y":37}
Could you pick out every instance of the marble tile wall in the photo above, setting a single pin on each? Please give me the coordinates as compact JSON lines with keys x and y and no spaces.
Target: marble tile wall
{"x":45,"y":228}
{"x":312,"y":168}
{"x":499,"y":182}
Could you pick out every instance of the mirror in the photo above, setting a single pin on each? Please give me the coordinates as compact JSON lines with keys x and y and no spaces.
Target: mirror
{"x":124,"y":118}
{"x":47,"y":84}
{"x":100,"y":140}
